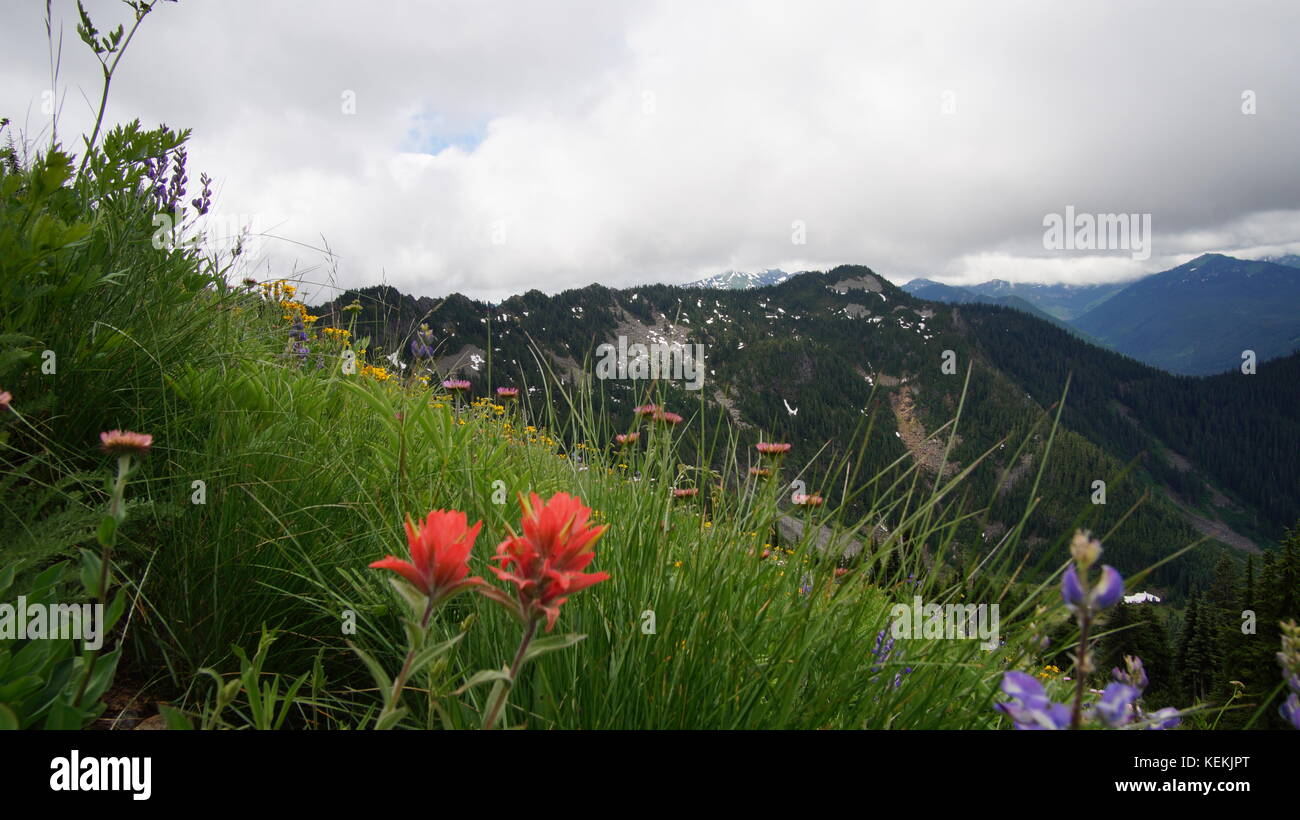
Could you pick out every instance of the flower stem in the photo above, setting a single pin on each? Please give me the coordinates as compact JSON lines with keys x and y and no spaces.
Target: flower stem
{"x":1081,"y":669}
{"x":399,"y":683}
{"x":117,"y":509}
{"x":500,"y":702}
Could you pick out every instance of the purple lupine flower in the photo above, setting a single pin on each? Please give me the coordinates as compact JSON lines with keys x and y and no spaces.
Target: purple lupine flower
{"x":1030,"y":707}
{"x":420,"y":350}
{"x":298,"y":333}
{"x":1109,"y":589}
{"x":175,"y":190}
{"x":1103,"y":595}
{"x":882,"y":652}
{"x":204,"y":200}
{"x":302,"y":352}
{"x":1290,"y":710}
{"x":1072,"y":589}
{"x":1166,"y":718}
{"x":1115,"y":707}
{"x":1024,"y":687}
{"x":422,"y":343}
{"x":1289,"y":660}
{"x":882,"y":649}
{"x":1134,"y":675}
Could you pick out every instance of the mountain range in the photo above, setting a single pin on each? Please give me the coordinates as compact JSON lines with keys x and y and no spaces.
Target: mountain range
{"x":1060,"y":301}
{"x":1194,"y":319}
{"x":822,"y":358}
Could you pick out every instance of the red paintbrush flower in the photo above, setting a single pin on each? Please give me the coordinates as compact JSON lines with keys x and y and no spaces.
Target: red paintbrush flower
{"x":667,"y":418}
{"x":626,"y":438}
{"x":546,"y":562}
{"x":769,"y":448}
{"x":439,"y":552}
{"x":685,"y":492}
{"x":508,"y":392}
{"x":645,"y":409}
{"x":456,"y":384}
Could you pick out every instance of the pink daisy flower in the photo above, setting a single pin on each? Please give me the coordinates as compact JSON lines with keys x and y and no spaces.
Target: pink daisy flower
{"x":125,"y":443}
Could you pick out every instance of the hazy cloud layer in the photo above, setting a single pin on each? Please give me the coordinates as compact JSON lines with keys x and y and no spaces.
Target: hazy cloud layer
{"x":498,"y":147}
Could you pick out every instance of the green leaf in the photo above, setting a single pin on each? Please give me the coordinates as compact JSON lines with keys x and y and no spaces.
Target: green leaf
{"x":377,"y":672}
{"x":541,"y":646}
{"x":102,"y":676}
{"x":430,"y":653}
{"x":8,"y":720}
{"x":176,"y":719}
{"x":114,"y":611}
{"x":389,"y":719}
{"x":62,"y":717}
{"x":415,"y":599}
{"x":382,"y":407}
{"x":483,"y":676}
{"x":107,"y":532}
{"x":492,"y":698}
{"x":44,"y":582}
{"x":90,"y":564}
{"x":20,"y":688}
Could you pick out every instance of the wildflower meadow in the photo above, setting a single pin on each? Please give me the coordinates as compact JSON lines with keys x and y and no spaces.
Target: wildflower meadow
{"x":257,"y":521}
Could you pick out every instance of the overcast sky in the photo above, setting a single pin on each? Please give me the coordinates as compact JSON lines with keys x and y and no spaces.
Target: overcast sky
{"x":498,"y":147}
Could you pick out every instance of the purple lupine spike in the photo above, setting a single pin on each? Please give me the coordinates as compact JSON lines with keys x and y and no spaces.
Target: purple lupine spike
{"x":1290,"y":710}
{"x":1134,"y":674}
{"x":1072,"y":589}
{"x":1109,"y":589}
{"x":1030,"y":707}
{"x":1166,"y":718}
{"x":203,"y":201}
{"x":1024,"y":687}
{"x":422,"y":343}
{"x":1115,"y":707}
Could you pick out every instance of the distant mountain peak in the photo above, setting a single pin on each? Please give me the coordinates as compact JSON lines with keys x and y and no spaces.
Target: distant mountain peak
{"x":741,"y":280}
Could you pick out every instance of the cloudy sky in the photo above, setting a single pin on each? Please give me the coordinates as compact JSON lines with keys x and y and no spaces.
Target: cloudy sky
{"x":493,"y":147}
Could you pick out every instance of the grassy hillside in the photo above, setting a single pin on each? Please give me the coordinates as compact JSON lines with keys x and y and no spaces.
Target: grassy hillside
{"x":240,"y":482}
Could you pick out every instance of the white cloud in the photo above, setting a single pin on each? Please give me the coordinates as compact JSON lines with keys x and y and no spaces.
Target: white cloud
{"x":621,"y":143}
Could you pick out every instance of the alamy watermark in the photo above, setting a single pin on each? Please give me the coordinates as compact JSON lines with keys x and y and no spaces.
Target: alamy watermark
{"x":213,"y":233}
{"x":102,"y":774}
{"x":657,"y":360}
{"x":1098,"y":232}
{"x":947,"y":621}
{"x":81,"y":622}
